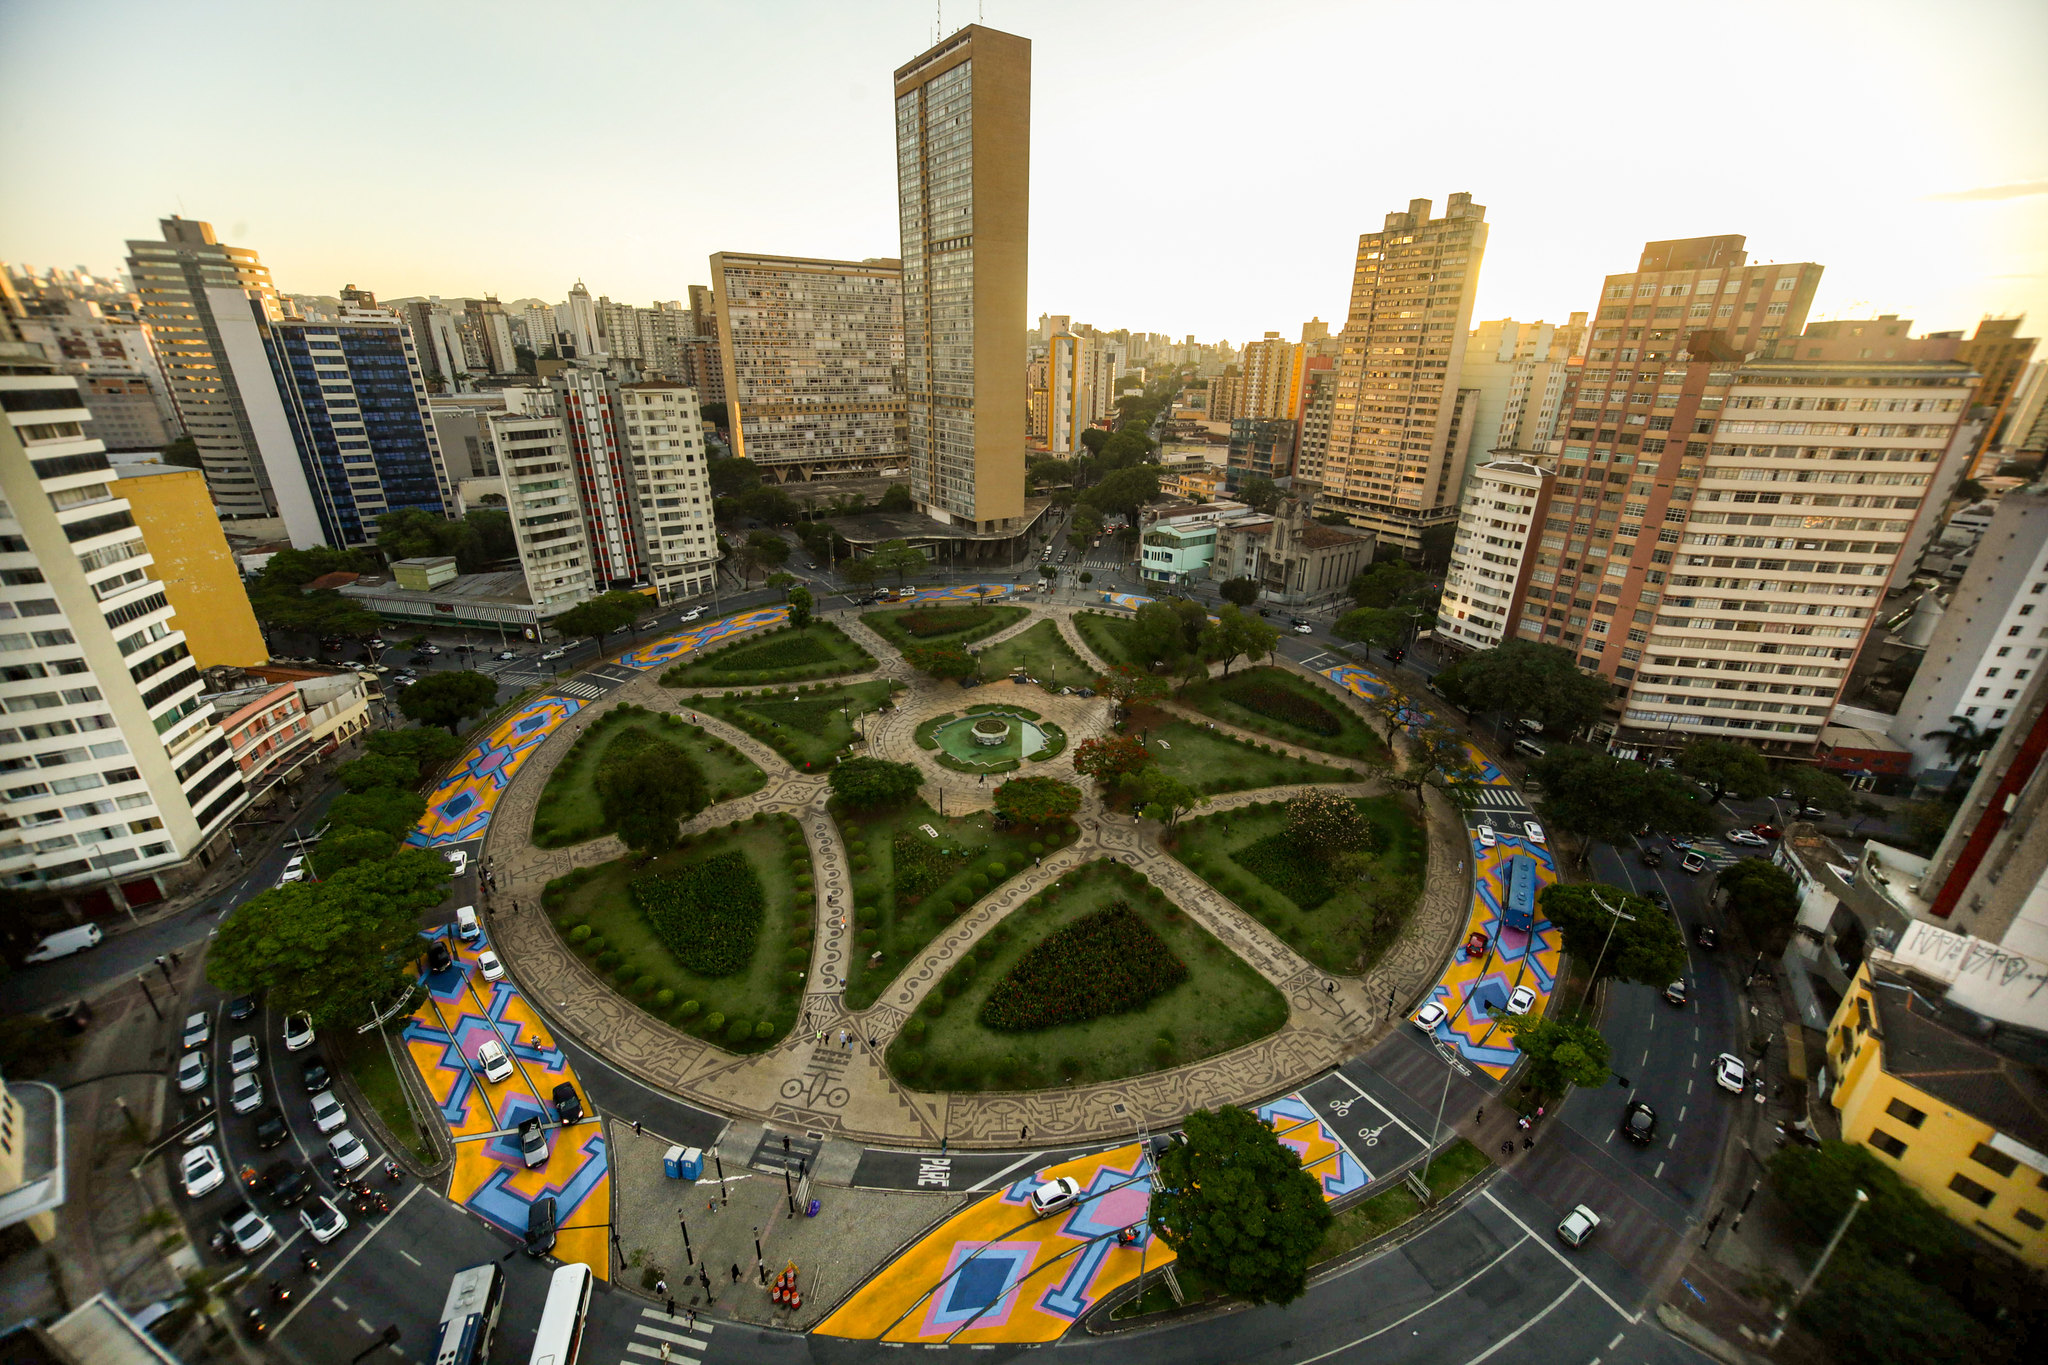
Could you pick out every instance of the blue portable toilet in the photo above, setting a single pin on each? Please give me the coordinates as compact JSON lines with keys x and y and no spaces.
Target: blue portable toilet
{"x":683,"y":1163}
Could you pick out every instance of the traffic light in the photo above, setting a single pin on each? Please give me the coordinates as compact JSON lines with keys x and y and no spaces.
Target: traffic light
{"x":1396,"y":655}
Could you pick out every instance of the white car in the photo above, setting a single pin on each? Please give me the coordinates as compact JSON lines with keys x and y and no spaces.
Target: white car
{"x":243,"y":1054}
{"x":558,"y":652}
{"x":487,"y":963}
{"x":202,"y":1170}
{"x":298,"y":1032}
{"x":294,"y":870}
{"x":247,"y":1095}
{"x":349,"y":1152}
{"x":1746,"y":838}
{"x":248,"y":1229}
{"x":1578,"y":1225}
{"x":691,"y":615}
{"x":505,"y":656}
{"x":198,"y":1028}
{"x":1486,"y":836}
{"x":1304,"y":630}
{"x":1521,"y":1000}
{"x":328,"y":1114}
{"x":458,"y":860}
{"x":1729,"y":1074}
{"x":192,"y":1072}
{"x":495,"y":1061}
{"x":1055,"y":1195}
{"x":1533,"y":830}
{"x":1430,"y":1015}
{"x":322,"y":1220}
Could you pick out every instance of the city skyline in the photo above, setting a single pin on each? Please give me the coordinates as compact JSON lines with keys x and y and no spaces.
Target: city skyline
{"x":1961,"y":165}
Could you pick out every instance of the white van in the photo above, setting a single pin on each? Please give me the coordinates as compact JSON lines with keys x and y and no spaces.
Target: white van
{"x":466,"y":924}
{"x":1530,"y":748}
{"x":66,"y":942}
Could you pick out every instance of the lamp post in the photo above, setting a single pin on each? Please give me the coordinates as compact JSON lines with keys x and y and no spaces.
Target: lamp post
{"x":1785,"y":1311}
{"x":1618,"y":917}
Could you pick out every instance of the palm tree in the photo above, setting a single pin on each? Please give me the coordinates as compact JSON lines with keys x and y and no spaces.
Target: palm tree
{"x":1964,"y":743}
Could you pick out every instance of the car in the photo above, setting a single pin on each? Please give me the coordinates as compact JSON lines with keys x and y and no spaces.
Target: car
{"x":328,"y":1113}
{"x":202,"y":1171}
{"x":1729,"y":1073}
{"x":323,"y":1222}
{"x":247,"y":1093}
{"x":1486,"y":836}
{"x":1304,"y":630}
{"x":1639,"y":1124}
{"x":1788,"y":795}
{"x":1521,"y":999}
{"x":428,"y":649}
{"x":1054,"y":1195}
{"x":1430,"y":1015}
{"x":247,"y":1229}
{"x":1767,"y":831}
{"x":193,"y":1072}
{"x":198,"y":1029}
{"x":241,"y":1007}
{"x":375,"y":642}
{"x":243,"y":1054}
{"x":298,"y":1031}
{"x":540,"y":1226}
{"x":487,"y":963}
{"x":558,"y":652}
{"x":271,"y":1130}
{"x":1475,"y":943}
{"x":294,"y":870}
{"x":1656,"y":893}
{"x":1745,"y":838}
{"x":694,"y":613}
{"x":505,"y":656}
{"x":423,"y":660}
{"x":1650,"y":857}
{"x":1533,"y":830}
{"x":1694,"y":861}
{"x":458,"y":861}
{"x":1578,"y":1225}
{"x":533,"y":1142}
{"x":495,"y":1062}
{"x":199,"y":1122}
{"x":467,"y":926}
{"x":288,"y":1183}
{"x":1297,"y":620}
{"x":568,"y":1104}
{"x":348,"y":1152}
{"x":438,"y":955}
{"x":1675,"y":992}
{"x":65,"y":942}
{"x":314,"y":1074}
{"x":406,"y":681}
{"x":1706,"y":937}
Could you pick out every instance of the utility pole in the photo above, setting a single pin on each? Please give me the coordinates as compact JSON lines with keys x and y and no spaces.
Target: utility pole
{"x":1618,"y":917}
{"x":1785,"y":1311}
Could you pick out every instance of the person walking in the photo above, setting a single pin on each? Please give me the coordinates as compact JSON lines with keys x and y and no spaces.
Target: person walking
{"x":664,"y":1353}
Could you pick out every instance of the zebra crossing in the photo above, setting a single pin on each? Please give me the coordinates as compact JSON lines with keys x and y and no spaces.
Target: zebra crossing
{"x":1717,"y":854}
{"x":576,"y":687}
{"x":674,"y":1339}
{"x":1499,"y":798}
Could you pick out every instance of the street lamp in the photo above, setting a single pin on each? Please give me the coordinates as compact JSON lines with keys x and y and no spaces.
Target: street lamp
{"x":1618,"y":916}
{"x":1785,"y":1309}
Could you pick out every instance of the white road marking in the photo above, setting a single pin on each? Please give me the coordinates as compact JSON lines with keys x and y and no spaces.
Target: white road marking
{"x":365,"y":1326}
{"x":352,"y":1252}
{"x":339,"y":1305}
{"x":1391,"y":1115}
{"x":1671,"y":1142}
{"x":1657,"y":1174}
{"x":677,"y":1337}
{"x":985,"y":1180}
{"x":1454,"y":1289}
{"x":415,"y":1260}
{"x":1617,"y":1340}
{"x":1562,"y":1259}
{"x":1681,"y":1112}
{"x":1547,"y":1309}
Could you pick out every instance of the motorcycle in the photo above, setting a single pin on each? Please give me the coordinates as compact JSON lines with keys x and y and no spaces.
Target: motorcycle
{"x":309,"y":1261}
{"x":279,"y":1295}
{"x":391,"y":1170}
{"x":253,"y":1322}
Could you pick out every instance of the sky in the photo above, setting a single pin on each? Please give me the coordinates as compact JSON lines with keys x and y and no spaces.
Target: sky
{"x":1197,"y":167}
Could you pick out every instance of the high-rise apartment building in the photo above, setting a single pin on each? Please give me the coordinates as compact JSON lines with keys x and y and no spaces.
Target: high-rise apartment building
{"x":671,"y":485}
{"x":1070,"y":393}
{"x":576,"y":321}
{"x":963,"y":175}
{"x":1516,"y":373}
{"x":115,"y":780}
{"x":596,"y":428}
{"x":811,"y":350}
{"x":545,"y":507}
{"x":1224,"y":390}
{"x":490,"y":329}
{"x":1319,"y":402}
{"x":1269,"y":383}
{"x":124,"y":385}
{"x":172,"y":279}
{"x":1498,"y":522}
{"x":193,"y":563}
{"x":540,"y":328}
{"x":1397,"y":436}
{"x":1999,"y":354}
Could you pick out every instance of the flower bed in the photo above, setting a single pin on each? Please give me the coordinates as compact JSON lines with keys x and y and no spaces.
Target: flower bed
{"x":942,"y":625}
{"x":1286,"y":706}
{"x":1278,"y":861}
{"x":822,"y":650}
{"x":1282,"y":704}
{"x":1107,"y":962}
{"x":707,"y":914}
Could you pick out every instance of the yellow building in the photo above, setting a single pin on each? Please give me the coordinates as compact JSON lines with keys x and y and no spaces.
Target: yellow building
{"x":1195,"y":482}
{"x":1962,"y":1120}
{"x":171,"y":505}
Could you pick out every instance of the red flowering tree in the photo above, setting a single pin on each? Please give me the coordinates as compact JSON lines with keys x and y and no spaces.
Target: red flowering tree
{"x":1110,"y":758}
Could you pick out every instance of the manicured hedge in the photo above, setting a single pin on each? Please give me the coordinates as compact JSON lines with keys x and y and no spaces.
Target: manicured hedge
{"x":1282,"y":704}
{"x":1278,"y":862}
{"x":921,"y":864}
{"x":1107,"y":962}
{"x":925,"y":622}
{"x":791,"y":649}
{"x":708,"y":914}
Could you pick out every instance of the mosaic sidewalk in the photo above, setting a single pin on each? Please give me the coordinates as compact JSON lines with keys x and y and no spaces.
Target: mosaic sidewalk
{"x":460,"y":808}
{"x":993,"y":1273}
{"x":490,"y":1178}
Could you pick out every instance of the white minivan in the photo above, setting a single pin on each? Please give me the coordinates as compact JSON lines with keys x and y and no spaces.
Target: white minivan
{"x":66,"y":942}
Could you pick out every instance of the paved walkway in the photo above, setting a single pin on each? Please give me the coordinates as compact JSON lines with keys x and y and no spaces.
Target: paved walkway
{"x":815,"y":1084}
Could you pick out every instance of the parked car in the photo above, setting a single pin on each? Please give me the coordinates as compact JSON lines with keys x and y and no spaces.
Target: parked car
{"x":271,"y":1130}
{"x":1534,"y":831}
{"x":1729,"y":1073}
{"x":1475,"y":943}
{"x":202,"y":1171}
{"x":323,"y":1222}
{"x":241,"y":1007}
{"x":294,"y":870}
{"x":289,"y":1184}
{"x":1521,"y":1000}
{"x":1486,"y":836}
{"x":243,"y":1054}
{"x":193,"y":1071}
{"x":540,"y":1226}
{"x":1054,"y":1195}
{"x":298,"y":1031}
{"x":247,"y":1094}
{"x":348,"y":1152}
{"x":1578,"y":1225}
{"x":314,"y":1073}
{"x":438,"y":956}
{"x":1639,"y":1124}
{"x":198,"y":1029}
{"x":494,"y":1061}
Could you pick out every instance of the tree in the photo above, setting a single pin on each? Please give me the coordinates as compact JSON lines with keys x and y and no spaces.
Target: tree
{"x":1646,"y":948}
{"x":1240,"y":592}
{"x":1165,"y":797}
{"x":1164,"y":631}
{"x":448,"y":698}
{"x":430,"y":750}
{"x":1817,"y":787}
{"x":1259,"y":493}
{"x":1725,"y":766}
{"x":730,"y":478}
{"x":714,"y":415}
{"x":1762,"y":895}
{"x":647,"y":792}
{"x":1037,"y":800}
{"x":1435,"y":546}
{"x":859,"y":572}
{"x":183,"y":451}
{"x":1237,"y":1208}
{"x":1235,"y":632}
{"x":1969,"y":490}
{"x":388,"y":809}
{"x":799,"y":608}
{"x":1604,"y":798}
{"x":377,"y":770}
{"x":1964,"y":743}
{"x":770,"y":506}
{"x":1324,"y":825}
{"x":1444,"y":760}
{"x":1125,"y":490}
{"x":1109,"y":759}
{"x":897,"y":499}
{"x":942,"y":661}
{"x":1094,"y":439}
{"x":1536,"y":680}
{"x":1372,"y":627}
{"x":764,"y":548}
{"x":31,"y":1045}
{"x":1561,"y":1052}
{"x":898,"y":557}
{"x":1048,"y":572}
{"x":1394,"y":708}
{"x":1878,"y":1314}
{"x":352,"y":847}
{"x":1125,"y":684}
{"x":1898,"y":1226}
{"x":598,"y":617}
{"x":411,"y":533}
{"x":1389,"y":583}
{"x":865,"y":783}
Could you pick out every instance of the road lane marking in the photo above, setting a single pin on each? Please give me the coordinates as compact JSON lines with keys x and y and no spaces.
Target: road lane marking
{"x":987,"y":1179}
{"x":1391,"y":1115}
{"x":369,"y":1330}
{"x":1657,"y":1174}
{"x":1617,"y":1340}
{"x":371,"y":1236}
{"x":1547,"y":1309}
{"x":1454,"y":1289}
{"x":1681,"y":1112}
{"x":415,"y":1260}
{"x":1562,"y":1259}
{"x":339,"y":1305}
{"x":677,"y":1337}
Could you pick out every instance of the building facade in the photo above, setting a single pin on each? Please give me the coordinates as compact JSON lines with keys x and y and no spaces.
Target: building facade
{"x":671,"y":486}
{"x":194,"y":564}
{"x":1071,"y":406}
{"x":811,"y":350}
{"x":1260,"y":447}
{"x":1269,"y":379}
{"x":963,"y":171}
{"x":1294,"y":559}
{"x":267,"y":727}
{"x":1999,"y":354}
{"x":545,"y":508}
{"x":1517,"y":373}
{"x":1498,"y":523}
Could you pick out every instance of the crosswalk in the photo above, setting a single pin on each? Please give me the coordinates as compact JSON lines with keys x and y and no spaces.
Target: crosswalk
{"x":576,"y":687}
{"x":1499,"y":798}
{"x":658,"y":1336}
{"x":790,"y":1152}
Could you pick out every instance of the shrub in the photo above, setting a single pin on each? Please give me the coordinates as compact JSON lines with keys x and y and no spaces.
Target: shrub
{"x":579,"y":933}
{"x":921,"y":865}
{"x":714,"y":1024}
{"x":708,"y":914}
{"x":664,"y":997}
{"x":764,"y":1031}
{"x":1281,"y":703}
{"x":1107,"y":962}
{"x":689,"y":1009}
{"x":739,"y":1031}
{"x":1278,"y":862}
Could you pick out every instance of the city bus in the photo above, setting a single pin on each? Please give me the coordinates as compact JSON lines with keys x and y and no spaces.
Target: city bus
{"x":470,"y":1317}
{"x":560,"y":1335}
{"x":1518,"y":910}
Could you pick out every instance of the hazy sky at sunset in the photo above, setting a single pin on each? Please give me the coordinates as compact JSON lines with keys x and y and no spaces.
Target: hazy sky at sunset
{"x":1196,"y":167}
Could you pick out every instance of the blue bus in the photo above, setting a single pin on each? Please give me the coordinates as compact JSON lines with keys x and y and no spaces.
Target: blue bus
{"x":470,"y":1317}
{"x":1518,"y":908}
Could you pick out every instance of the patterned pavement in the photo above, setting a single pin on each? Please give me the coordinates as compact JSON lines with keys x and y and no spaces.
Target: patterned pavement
{"x":460,"y":808}
{"x":490,"y":1177}
{"x":672,"y":648}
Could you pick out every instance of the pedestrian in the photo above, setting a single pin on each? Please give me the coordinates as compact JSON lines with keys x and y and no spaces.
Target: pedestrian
{"x":671,"y":1305}
{"x":942,"y":1146}
{"x":785,"y":1142}
{"x":735,"y":1274}
{"x":176,"y":958}
{"x":661,"y":1287}
{"x":664,"y":1353}
{"x":636,"y":1128}
{"x":1480,"y":1117}
{"x":1508,"y":1148}
{"x":1527,"y":1143}
{"x":1024,"y":1134}
{"x":1539,"y":1111}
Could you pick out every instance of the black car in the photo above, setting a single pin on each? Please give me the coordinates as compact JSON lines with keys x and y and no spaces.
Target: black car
{"x":1706,"y":937}
{"x":568,"y":1104}
{"x":316,"y":1077}
{"x":438,"y":957}
{"x":1651,"y":857}
{"x":540,"y":1226}
{"x":271,"y":1129}
{"x":288,"y":1183}
{"x":1639,"y":1124}
{"x":242,"y":1007}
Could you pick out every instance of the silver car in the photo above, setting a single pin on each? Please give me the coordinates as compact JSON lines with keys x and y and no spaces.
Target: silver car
{"x":193,"y":1070}
{"x":247,"y":1095}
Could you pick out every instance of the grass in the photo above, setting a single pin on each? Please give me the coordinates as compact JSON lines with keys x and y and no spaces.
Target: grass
{"x":822,"y":650}
{"x":1109,"y":636}
{"x":1237,"y":700}
{"x":1350,"y":930}
{"x":1216,"y":762}
{"x":369,"y":1066}
{"x":983,"y":621}
{"x":900,"y":922}
{"x":809,"y":728}
{"x":638,"y":965}
{"x":1040,"y":653}
{"x":1223,"y":1004}
{"x":568,"y":811}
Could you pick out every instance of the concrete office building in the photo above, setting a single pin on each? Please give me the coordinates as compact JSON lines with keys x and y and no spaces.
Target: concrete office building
{"x":1999,"y":354}
{"x":811,"y":350}
{"x":596,"y":429}
{"x":1491,"y":560}
{"x":1261,"y":447}
{"x":117,"y":789}
{"x":963,"y":167}
{"x":1070,"y":393}
{"x":1397,"y":435}
{"x":173,"y":282}
{"x":131,"y":404}
{"x":1517,"y":373}
{"x":491,"y":329}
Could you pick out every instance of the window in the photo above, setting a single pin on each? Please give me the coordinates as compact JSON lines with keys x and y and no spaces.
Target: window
{"x":1970,"y":1190}
{"x":1905,"y":1113}
{"x":2029,"y":1220}
{"x":1886,"y":1143}
{"x":1988,"y":1156}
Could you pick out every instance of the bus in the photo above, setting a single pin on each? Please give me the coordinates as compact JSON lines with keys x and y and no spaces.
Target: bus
{"x":560,"y":1335}
{"x":1518,"y":911}
{"x":470,"y":1317}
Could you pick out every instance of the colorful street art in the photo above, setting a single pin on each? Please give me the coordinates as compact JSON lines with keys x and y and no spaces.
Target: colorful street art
{"x":994,"y":1273}
{"x":961,"y":592}
{"x":461,"y":806}
{"x":1129,"y":601}
{"x":671,"y":649}
{"x":490,"y":1178}
{"x":1361,"y":682}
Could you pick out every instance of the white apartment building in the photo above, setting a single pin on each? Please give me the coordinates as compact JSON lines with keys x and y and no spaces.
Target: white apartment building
{"x":115,"y":780}
{"x":545,"y":508}
{"x":1498,"y":524}
{"x":1070,"y":382}
{"x":671,"y":478}
{"x":1517,"y":372}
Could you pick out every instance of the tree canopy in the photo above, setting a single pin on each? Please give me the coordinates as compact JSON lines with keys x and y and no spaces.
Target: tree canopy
{"x":1237,"y":1207}
{"x":1124,"y":490}
{"x":1762,"y":895}
{"x":1239,"y":592}
{"x":897,"y":499}
{"x":1725,"y":766}
{"x":864,"y":783}
{"x":1110,"y":757}
{"x":377,"y":770}
{"x":351,"y":847}
{"x":899,"y":559}
{"x":392,"y":810}
{"x":1165,"y":630}
{"x":942,"y":661}
{"x":799,"y":608}
{"x":1259,"y":493}
{"x":1562,"y":1052}
{"x":1165,"y":796}
{"x":1598,"y":796}
{"x":1124,"y":685}
{"x":1646,"y":948}
{"x":1037,"y":800}
{"x":1390,"y":583}
{"x":729,"y":478}
{"x":647,"y":790}
{"x":1235,"y":633}
{"x":1529,"y":679}
{"x":447,"y":699}
{"x":600,"y":616}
